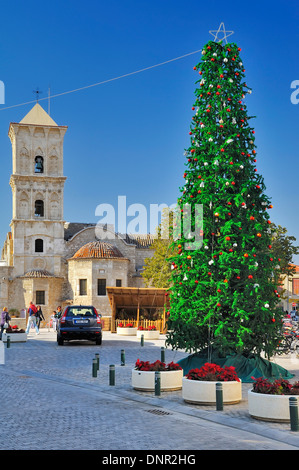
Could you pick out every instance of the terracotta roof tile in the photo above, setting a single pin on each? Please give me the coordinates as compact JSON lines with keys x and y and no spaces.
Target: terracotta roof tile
{"x":97,"y":249}
{"x":37,"y":273}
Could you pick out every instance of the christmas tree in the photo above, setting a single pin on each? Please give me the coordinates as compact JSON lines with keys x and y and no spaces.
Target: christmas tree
{"x":224,"y":293}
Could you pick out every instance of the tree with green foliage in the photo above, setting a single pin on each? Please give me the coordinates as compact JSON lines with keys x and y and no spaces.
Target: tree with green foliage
{"x":284,"y":249}
{"x":223,"y":294}
{"x":157,"y":268}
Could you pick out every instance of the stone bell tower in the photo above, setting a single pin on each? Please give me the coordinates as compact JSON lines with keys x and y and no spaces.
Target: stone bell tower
{"x":37,"y":182}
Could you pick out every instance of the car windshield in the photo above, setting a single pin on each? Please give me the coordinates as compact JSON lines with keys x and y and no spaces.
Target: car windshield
{"x":81,"y":312}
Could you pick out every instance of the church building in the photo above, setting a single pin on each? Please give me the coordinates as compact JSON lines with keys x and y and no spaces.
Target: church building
{"x":44,"y":258}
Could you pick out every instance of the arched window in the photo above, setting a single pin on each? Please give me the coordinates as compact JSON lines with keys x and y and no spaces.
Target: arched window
{"x":39,"y":245}
{"x":39,"y":164}
{"x":39,"y":208}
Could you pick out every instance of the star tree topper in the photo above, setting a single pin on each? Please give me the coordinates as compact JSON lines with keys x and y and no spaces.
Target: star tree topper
{"x":221,"y":30}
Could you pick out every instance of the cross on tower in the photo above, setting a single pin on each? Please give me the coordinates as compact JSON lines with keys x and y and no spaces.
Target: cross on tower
{"x":37,"y":92}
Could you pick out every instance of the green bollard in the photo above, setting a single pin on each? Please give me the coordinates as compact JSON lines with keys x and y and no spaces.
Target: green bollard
{"x":142,"y":340}
{"x":157,"y":383}
{"x":122,"y":357}
{"x":294,"y":414}
{"x":8,"y":342}
{"x":111,"y":374}
{"x":94,"y":367}
{"x":97,"y":356}
{"x":162,"y":354}
{"x":219,"y":397}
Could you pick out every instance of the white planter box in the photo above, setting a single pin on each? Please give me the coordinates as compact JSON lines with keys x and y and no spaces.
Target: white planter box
{"x":203,"y":392}
{"x":15,"y":337}
{"x":148,"y":334}
{"x":126,"y":331}
{"x":145,"y":380}
{"x":269,"y":407}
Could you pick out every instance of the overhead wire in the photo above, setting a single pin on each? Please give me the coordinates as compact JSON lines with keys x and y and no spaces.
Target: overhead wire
{"x":104,"y":81}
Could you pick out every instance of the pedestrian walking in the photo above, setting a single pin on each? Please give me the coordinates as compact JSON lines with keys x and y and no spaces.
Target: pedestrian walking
{"x":39,"y":316}
{"x":32,"y":310}
{"x":5,"y":319}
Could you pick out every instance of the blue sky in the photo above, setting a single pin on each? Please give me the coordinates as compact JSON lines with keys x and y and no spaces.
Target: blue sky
{"x":127,"y":137}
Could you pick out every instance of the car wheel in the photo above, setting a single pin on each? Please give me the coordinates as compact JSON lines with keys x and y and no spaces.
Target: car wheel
{"x":99,"y":340}
{"x":60,"y":341}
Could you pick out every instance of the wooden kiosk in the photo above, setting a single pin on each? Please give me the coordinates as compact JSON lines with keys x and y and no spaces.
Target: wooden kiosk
{"x":136,"y":297}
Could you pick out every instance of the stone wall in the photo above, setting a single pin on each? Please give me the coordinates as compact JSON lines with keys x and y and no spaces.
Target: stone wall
{"x":92,"y":270}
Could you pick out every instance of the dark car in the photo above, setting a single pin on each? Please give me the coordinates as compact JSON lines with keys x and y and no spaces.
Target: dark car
{"x":79,"y":322}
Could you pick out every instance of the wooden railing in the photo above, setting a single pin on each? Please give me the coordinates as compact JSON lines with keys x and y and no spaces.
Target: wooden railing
{"x":144,"y":323}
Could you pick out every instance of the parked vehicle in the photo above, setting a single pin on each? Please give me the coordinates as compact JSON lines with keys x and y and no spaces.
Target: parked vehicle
{"x":79,"y":322}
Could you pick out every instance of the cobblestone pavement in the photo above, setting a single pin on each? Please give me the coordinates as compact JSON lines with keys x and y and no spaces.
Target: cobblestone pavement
{"x":52,"y":402}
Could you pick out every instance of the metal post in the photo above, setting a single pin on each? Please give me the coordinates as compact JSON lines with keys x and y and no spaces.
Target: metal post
{"x":162,"y":354}
{"x":97,"y":356}
{"x":219,"y":397}
{"x":157,"y":383}
{"x":122,"y":357}
{"x":112,"y":374}
{"x":8,"y":342}
{"x":142,"y":340}
{"x":94,"y":367}
{"x":294,"y":414}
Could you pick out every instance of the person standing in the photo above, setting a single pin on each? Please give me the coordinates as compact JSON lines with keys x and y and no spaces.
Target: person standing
{"x":56,"y":317}
{"x":32,"y":310}
{"x":39,"y":316}
{"x":5,"y":319}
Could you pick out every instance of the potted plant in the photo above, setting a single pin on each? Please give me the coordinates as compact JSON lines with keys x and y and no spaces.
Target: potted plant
{"x":199,"y":385}
{"x":16,"y":334}
{"x":126,"y":329}
{"x":150,"y":332}
{"x":143,"y":376}
{"x":269,"y":400}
